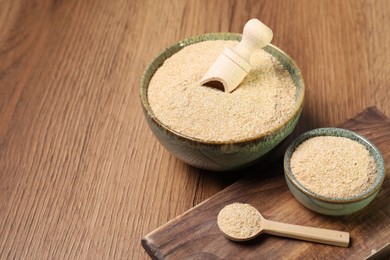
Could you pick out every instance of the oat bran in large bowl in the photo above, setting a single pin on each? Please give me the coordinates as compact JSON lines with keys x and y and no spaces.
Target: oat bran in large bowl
{"x":211,"y":129}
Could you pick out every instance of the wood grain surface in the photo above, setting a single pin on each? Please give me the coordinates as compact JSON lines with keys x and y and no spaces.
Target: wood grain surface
{"x":195,"y":234}
{"x":81,"y":175}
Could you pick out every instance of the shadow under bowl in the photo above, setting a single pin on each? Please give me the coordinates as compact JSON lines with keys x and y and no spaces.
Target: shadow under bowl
{"x":327,"y":205}
{"x":216,"y":155}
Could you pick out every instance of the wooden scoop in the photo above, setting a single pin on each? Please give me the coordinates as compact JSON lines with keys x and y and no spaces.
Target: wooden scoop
{"x":231,"y":67}
{"x":242,"y":222}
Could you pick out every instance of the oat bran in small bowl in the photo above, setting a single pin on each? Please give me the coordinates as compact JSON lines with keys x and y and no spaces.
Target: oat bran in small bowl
{"x":333,"y":171}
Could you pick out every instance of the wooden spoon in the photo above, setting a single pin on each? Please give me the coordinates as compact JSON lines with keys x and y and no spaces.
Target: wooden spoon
{"x":242,"y":222}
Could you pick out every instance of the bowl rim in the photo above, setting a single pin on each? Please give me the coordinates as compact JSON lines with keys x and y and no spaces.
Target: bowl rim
{"x":217,"y":36}
{"x":339,"y":132}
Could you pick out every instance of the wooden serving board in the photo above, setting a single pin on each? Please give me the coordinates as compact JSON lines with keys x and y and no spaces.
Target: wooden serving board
{"x":195,"y":234}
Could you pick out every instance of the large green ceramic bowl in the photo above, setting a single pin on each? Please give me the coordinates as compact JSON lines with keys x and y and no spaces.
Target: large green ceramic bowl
{"x":326,"y":205}
{"x":220,"y":156}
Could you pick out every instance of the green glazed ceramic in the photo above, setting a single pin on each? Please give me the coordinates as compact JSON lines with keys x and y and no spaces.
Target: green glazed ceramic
{"x":326,"y":205}
{"x":219,"y":156}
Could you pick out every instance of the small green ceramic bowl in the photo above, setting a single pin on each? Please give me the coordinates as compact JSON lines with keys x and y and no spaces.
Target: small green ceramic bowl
{"x":326,"y":205}
{"x":220,"y":156}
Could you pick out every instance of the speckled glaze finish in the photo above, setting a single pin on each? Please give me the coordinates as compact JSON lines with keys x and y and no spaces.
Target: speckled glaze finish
{"x":333,"y":206}
{"x":219,"y":156}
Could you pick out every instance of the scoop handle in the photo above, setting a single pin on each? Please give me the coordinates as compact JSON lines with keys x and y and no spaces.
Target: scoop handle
{"x":319,"y":235}
{"x":255,"y":36}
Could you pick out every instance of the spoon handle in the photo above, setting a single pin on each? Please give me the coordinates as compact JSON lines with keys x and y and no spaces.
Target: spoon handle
{"x":319,"y":235}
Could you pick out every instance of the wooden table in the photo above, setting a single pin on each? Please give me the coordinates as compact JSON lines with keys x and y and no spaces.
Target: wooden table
{"x":81,"y":175}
